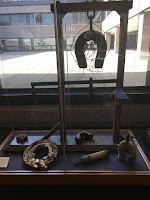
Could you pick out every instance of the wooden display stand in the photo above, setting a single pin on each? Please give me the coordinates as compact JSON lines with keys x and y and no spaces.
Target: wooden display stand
{"x":99,"y":142}
{"x":60,"y":10}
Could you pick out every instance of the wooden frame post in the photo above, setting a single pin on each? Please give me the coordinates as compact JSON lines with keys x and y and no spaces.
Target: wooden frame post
{"x":120,"y":75}
{"x":60,"y":72}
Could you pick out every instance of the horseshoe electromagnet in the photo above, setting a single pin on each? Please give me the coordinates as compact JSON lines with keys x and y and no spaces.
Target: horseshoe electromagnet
{"x":86,"y":36}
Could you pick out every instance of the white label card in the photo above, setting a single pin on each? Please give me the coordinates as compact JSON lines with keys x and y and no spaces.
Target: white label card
{"x":4,"y":162}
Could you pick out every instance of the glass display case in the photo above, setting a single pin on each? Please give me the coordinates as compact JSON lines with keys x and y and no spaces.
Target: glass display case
{"x":75,"y":92}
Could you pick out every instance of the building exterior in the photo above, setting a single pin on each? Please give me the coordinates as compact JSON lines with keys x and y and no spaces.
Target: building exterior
{"x":138,"y":34}
{"x":138,"y":29}
{"x":29,"y":25}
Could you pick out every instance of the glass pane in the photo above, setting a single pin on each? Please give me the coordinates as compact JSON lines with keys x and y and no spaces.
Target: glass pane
{"x":19,"y":20}
{"x":31,"y":19}
{"x":91,"y":110}
{"x":90,"y":84}
{"x":47,"y":19}
{"x":37,"y":18}
{"x":101,"y":102}
{"x":29,"y":103}
{"x":4,"y":20}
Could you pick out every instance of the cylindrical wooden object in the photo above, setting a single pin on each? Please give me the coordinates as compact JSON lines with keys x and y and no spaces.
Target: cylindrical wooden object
{"x":94,"y":156}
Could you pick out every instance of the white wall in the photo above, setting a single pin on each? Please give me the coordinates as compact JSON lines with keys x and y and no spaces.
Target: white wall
{"x":113,"y":18}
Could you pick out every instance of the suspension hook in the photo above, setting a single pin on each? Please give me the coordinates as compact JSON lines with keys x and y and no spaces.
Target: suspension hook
{"x":91,"y":17}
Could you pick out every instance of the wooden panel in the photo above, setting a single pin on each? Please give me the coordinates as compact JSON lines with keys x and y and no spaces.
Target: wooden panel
{"x":99,"y":142}
{"x":96,"y":6}
{"x":76,"y":178}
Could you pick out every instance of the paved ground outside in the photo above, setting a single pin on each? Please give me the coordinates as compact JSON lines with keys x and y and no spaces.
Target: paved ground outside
{"x":19,"y":69}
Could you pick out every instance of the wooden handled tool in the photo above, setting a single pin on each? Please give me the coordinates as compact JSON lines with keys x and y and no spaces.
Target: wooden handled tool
{"x":93,"y":156}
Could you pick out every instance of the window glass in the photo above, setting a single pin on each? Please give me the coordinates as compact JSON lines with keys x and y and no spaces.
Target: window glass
{"x":19,"y":20}
{"x":47,"y":19}
{"x":4,"y":20}
{"x":37,"y":18}
{"x":31,"y":19}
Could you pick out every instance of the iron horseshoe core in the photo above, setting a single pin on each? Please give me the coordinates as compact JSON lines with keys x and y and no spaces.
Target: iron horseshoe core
{"x":99,"y":39}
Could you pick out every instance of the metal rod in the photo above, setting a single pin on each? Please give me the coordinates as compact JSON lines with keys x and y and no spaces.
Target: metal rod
{"x":91,"y":88}
{"x":52,"y":131}
{"x":60,"y":75}
{"x":33,"y":84}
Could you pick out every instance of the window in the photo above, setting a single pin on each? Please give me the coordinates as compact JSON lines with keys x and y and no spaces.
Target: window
{"x":30,"y":18}
{"x":19,"y":20}
{"x":132,"y":40}
{"x":5,"y":20}
{"x":26,"y":19}
{"x":112,"y":39}
{"x":31,"y":32}
{"x":37,"y":18}
{"x":47,"y":18}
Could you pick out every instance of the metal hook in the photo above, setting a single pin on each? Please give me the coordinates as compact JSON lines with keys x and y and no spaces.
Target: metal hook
{"x":91,"y":17}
